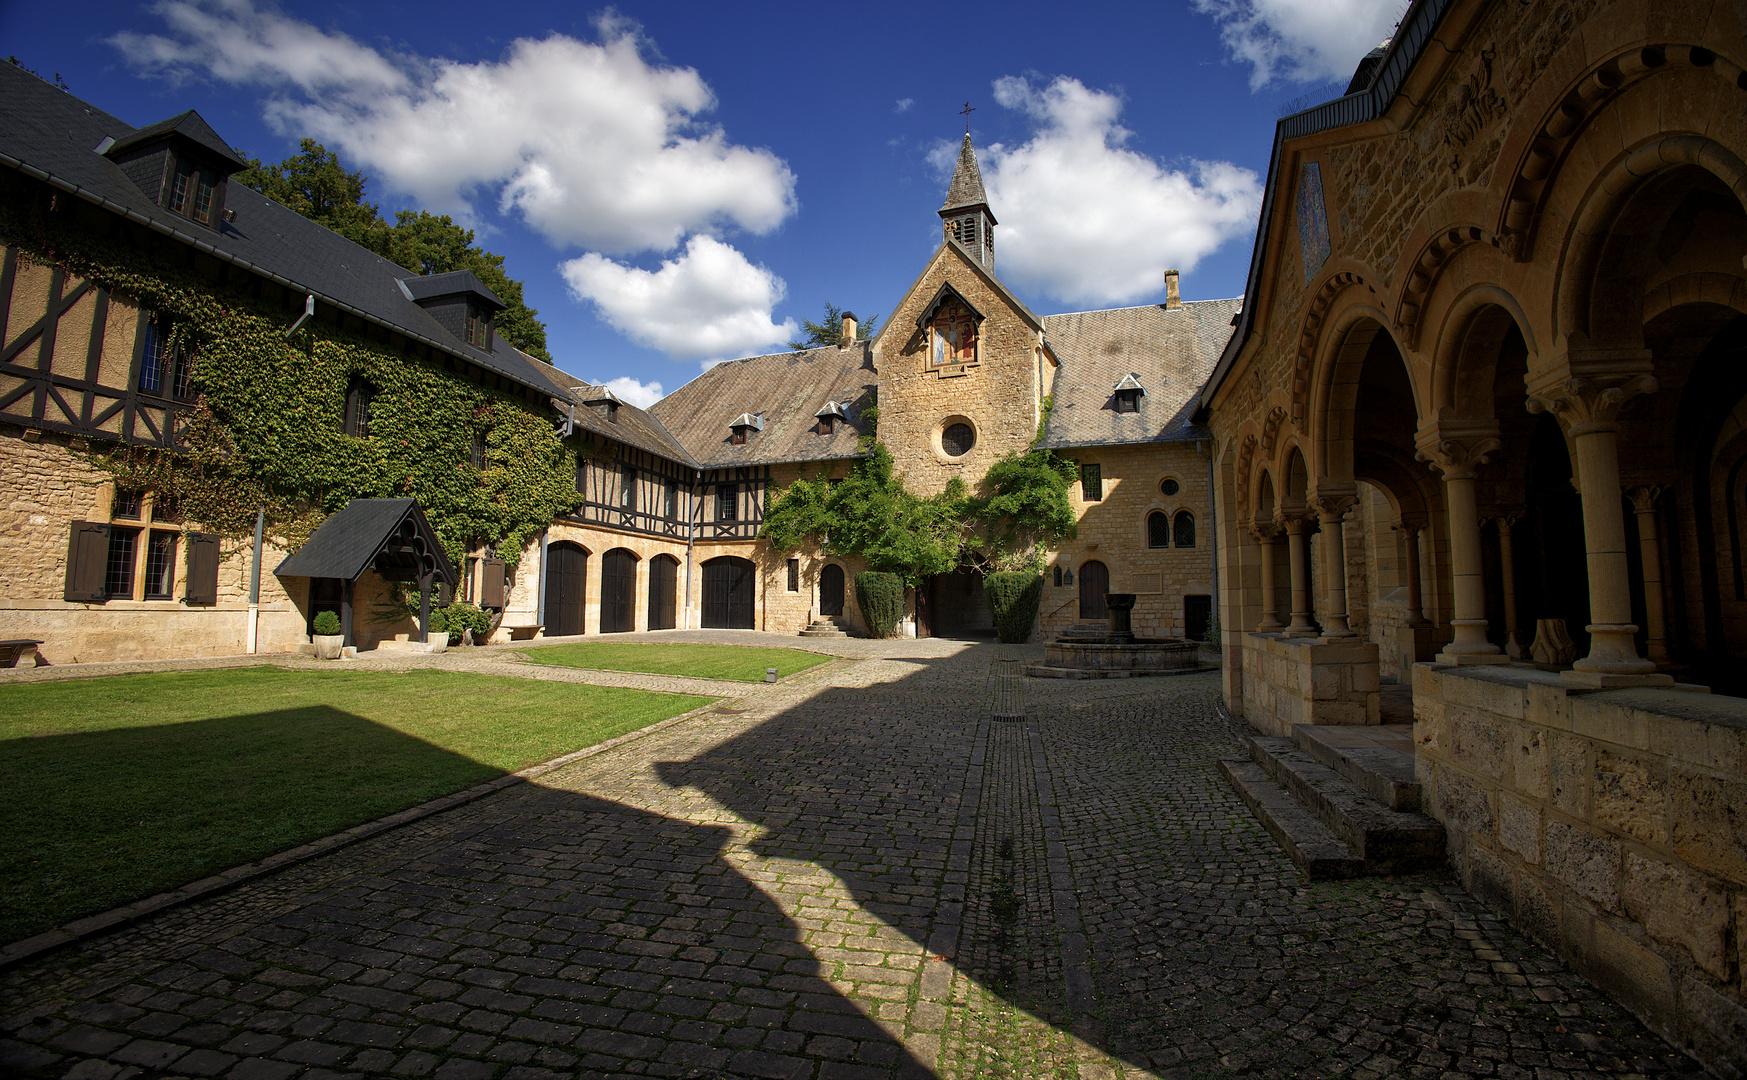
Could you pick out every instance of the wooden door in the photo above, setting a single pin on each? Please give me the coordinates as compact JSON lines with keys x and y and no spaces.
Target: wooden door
{"x":925,"y":608}
{"x":831,"y":590}
{"x":728,"y":593}
{"x":1094,"y":583}
{"x":566,"y":581}
{"x":663,"y":593}
{"x":618,"y":592}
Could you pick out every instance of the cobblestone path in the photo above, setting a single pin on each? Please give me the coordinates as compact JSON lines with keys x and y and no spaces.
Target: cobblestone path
{"x":857,"y":872}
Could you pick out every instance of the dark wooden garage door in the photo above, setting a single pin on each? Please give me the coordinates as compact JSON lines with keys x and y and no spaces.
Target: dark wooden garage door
{"x":618,"y":592}
{"x":663,"y":592}
{"x":566,"y":582}
{"x":728,"y":593}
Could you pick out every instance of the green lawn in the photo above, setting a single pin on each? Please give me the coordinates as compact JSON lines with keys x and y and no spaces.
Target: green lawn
{"x":118,"y":788}
{"x":697,"y":661}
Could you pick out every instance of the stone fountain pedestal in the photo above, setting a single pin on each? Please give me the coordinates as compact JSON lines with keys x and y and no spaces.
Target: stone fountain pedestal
{"x":1117,"y":654}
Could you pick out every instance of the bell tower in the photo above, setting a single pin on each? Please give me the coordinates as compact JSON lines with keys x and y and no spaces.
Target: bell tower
{"x":965,"y":215}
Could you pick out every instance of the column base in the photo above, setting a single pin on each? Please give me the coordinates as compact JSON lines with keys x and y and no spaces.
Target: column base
{"x":1467,"y":659}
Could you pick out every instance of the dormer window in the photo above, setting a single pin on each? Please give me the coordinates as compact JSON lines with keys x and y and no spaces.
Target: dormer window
{"x":192,"y":190}
{"x":1128,"y":394}
{"x":827,"y":424}
{"x":180,"y":163}
{"x":743,"y":425}
{"x":479,"y":326}
{"x":830,"y":416}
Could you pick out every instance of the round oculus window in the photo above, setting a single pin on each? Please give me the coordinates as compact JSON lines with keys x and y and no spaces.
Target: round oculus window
{"x":1169,"y":487}
{"x":957,"y":440}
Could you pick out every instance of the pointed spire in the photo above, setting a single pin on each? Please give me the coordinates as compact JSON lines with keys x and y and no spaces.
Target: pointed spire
{"x":966,"y":188}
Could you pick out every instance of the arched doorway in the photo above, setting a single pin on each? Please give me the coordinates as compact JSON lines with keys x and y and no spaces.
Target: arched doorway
{"x":728,"y":593}
{"x":566,"y":588}
{"x":831,"y":590}
{"x":663,"y":592}
{"x":1094,"y":583}
{"x":618,"y":591}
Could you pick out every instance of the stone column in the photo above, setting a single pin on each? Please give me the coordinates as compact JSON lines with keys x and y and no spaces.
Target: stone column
{"x":1513,"y":646}
{"x":1410,"y":531}
{"x":1331,"y":513}
{"x":1457,"y":448}
{"x":1650,"y":549}
{"x":1266,"y":533}
{"x":1589,"y":408}
{"x":1298,"y":552}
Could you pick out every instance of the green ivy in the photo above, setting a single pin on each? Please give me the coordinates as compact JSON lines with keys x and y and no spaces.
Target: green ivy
{"x":265,"y":429}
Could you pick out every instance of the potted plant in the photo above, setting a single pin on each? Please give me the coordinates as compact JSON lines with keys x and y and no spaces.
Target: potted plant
{"x":327,"y":636}
{"x":438,"y":639}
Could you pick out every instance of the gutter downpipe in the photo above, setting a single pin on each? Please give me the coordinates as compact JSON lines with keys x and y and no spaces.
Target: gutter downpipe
{"x":255,"y":583}
{"x":1212,"y":529}
{"x":691,"y":536}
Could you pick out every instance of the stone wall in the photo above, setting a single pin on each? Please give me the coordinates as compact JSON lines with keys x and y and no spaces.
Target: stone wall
{"x":50,"y":484}
{"x":1113,"y":531}
{"x":1611,"y":826}
{"x":1291,"y":681}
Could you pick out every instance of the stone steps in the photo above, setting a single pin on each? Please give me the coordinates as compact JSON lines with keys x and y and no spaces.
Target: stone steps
{"x":1308,"y":805}
{"x":1385,"y":775}
{"x":827,"y":627}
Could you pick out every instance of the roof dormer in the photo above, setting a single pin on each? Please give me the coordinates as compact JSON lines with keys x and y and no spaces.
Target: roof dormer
{"x":830,"y":416}
{"x":743,"y":425}
{"x":604,"y":402}
{"x":180,"y":163}
{"x":1128,"y":393}
{"x":460,"y":302}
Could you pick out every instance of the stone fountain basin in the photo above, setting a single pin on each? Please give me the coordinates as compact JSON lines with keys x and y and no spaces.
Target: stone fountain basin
{"x":1068,"y":658}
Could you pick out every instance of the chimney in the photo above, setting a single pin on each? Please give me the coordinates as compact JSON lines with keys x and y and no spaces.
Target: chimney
{"x":848,"y":337}
{"x":1173,"y":299}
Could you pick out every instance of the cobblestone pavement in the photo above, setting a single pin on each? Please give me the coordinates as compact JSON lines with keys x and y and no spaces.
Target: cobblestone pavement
{"x":857,"y":872}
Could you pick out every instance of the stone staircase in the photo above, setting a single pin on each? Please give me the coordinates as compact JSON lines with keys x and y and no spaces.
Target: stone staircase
{"x":1342,"y":801}
{"x":826,"y":626}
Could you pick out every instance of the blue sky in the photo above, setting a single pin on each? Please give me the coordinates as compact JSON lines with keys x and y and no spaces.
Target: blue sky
{"x":684,"y":182}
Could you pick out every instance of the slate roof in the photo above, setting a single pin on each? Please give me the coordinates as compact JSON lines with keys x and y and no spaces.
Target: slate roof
{"x":636,"y":427}
{"x":190,"y":126}
{"x":345,"y":544}
{"x":453,"y":283}
{"x":789,"y":389}
{"x":966,"y":188}
{"x":53,"y":136}
{"x":1170,"y":352}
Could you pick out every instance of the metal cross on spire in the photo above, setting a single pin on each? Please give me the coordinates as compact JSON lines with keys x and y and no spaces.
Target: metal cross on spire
{"x":966,"y":113}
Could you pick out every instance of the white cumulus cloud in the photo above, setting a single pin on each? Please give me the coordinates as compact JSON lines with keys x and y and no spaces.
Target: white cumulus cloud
{"x":592,"y":143}
{"x":640,"y":394}
{"x":1084,"y":219}
{"x":1301,"y":40}
{"x":709,"y":301}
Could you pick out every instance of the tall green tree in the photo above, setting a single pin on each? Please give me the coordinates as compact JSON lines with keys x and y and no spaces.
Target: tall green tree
{"x":817,"y":335}
{"x":315,"y":184}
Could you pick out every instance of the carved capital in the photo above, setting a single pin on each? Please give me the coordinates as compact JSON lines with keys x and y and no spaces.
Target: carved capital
{"x":1458,"y":447}
{"x":1332,"y":507}
{"x":1292,"y":521}
{"x":1583,"y":403}
{"x":1411,"y":526}
{"x":1644,"y":497}
{"x":1265,"y":532}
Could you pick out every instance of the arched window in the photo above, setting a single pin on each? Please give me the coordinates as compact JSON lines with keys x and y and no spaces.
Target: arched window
{"x":1185,"y":530}
{"x":1158,"y":530}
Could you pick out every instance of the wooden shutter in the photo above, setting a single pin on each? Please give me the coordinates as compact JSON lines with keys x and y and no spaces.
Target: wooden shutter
{"x":202,"y":569}
{"x":491,"y":584}
{"x":87,"y":555}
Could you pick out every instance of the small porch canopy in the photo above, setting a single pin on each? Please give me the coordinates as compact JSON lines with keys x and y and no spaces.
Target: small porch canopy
{"x":389,"y":536}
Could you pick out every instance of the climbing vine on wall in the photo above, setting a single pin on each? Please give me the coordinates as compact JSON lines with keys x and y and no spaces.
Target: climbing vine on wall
{"x":265,"y":429}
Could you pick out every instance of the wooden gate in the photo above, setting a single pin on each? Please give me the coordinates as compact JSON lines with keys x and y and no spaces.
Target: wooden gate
{"x":663,"y":592}
{"x":566,"y":583}
{"x":618,"y":592}
{"x":728,"y":593}
{"x":831,"y":590}
{"x":1094,"y":583}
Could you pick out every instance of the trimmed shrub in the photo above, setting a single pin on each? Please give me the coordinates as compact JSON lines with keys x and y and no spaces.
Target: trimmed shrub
{"x":464,"y":616}
{"x":1014,"y":597}
{"x":881,"y":597}
{"x":439,"y":624}
{"x":327,"y":623}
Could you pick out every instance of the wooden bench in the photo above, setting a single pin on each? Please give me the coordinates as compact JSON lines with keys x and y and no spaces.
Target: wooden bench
{"x":13,"y":648}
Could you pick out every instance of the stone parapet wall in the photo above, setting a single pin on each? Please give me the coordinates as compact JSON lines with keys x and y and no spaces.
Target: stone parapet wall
{"x":1611,"y":826}
{"x":1291,"y":681}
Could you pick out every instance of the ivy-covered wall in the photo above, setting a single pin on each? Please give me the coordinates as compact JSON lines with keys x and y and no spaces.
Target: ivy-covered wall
{"x":267,"y":426}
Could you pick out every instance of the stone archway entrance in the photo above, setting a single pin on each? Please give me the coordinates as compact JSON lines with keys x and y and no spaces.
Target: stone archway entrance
{"x":566,"y":588}
{"x":954,"y":605}
{"x":728,"y":593}
{"x":618,"y":592}
{"x":1094,"y":583}
{"x":663,"y":592}
{"x":831,"y":590}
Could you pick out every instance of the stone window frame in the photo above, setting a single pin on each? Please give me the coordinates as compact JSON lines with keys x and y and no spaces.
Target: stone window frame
{"x":1170,"y":510}
{"x":939,"y":429}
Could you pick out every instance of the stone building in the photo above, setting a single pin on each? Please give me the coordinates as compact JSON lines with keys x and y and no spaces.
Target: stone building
{"x":669,"y":501}
{"x":1479,"y":430}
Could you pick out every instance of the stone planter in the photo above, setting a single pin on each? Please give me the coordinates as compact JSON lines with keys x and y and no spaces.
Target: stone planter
{"x":327,"y":646}
{"x":437,"y":642}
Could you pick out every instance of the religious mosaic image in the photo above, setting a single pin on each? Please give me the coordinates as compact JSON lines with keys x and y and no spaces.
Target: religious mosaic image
{"x":954,"y":335}
{"x":1313,"y":244}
